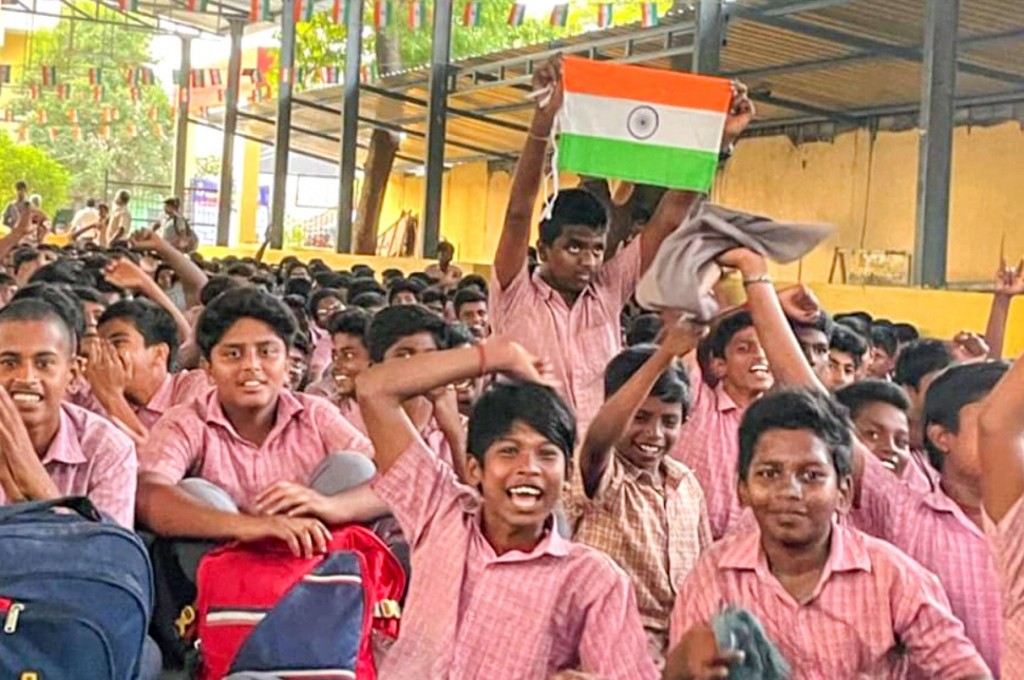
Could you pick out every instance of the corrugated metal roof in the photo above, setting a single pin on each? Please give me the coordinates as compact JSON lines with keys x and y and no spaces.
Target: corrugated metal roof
{"x":804,"y":59}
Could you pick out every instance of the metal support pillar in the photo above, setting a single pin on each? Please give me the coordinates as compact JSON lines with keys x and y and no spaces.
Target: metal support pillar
{"x":938,"y":89}
{"x":181,"y":119}
{"x":283,"y":131}
{"x":710,"y":34}
{"x":349,"y":124}
{"x":237,"y":28}
{"x":437,"y":116}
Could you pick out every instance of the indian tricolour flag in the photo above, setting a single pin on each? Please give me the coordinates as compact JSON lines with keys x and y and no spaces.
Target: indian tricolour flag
{"x":604,"y":15}
{"x":643,"y":125}
{"x":471,"y":14}
{"x":517,"y":14}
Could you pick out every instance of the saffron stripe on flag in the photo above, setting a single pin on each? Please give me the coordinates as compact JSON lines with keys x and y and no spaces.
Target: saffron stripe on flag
{"x":640,"y":163}
{"x":639,"y":122}
{"x":655,"y":86}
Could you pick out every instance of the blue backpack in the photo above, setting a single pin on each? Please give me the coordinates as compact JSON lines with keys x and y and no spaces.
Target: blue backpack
{"x":76,"y":593}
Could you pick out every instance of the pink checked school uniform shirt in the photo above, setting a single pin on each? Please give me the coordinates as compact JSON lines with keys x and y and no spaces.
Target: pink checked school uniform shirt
{"x":90,"y":456}
{"x":871,"y":597}
{"x":933,"y":530}
{"x":579,"y":340}
{"x":177,"y":389}
{"x":474,"y":615}
{"x":1007,"y":540}
{"x":197,"y":440}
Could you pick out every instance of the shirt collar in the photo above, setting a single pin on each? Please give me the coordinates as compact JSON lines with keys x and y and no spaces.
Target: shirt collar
{"x":162,"y":398}
{"x":671,"y":471}
{"x":723,"y":401}
{"x":847,"y":552}
{"x":938,"y":501}
{"x":551,"y":544}
{"x":65,"y":447}
{"x":547,"y":292}
{"x":288,"y":406}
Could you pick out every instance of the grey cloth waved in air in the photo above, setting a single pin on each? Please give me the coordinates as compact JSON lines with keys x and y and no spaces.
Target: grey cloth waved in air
{"x":738,"y":630}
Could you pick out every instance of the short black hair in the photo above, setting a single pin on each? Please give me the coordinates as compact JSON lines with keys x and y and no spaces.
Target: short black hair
{"x":918,"y":359}
{"x":394,"y":323}
{"x":798,"y":409}
{"x":22,"y":256}
{"x":573,"y":207}
{"x":956,"y":387}
{"x":858,"y":395}
{"x":671,"y":387}
{"x":362,"y":270}
{"x":855,"y":322}
{"x":88,"y":294}
{"x":368,"y":300}
{"x":301,"y":287}
{"x":459,"y":335}
{"x":404,"y":286}
{"x":467,"y":295}
{"x":39,"y":309}
{"x":352,"y":321}
{"x":643,"y":329}
{"x":391,"y":273}
{"x":433,"y":295}
{"x":499,"y":408}
{"x":243,"y":303}
{"x":21,"y":184}
{"x":885,"y":339}
{"x":905,"y":332}
{"x":846,"y":340}
{"x":321,"y":294}
{"x":6,"y":279}
{"x":242,"y":269}
{"x":472,"y":281}
{"x":66,"y":271}
{"x":62,"y":300}
{"x":216,"y":285}
{"x":302,"y":342}
{"x":363,"y":285}
{"x":823,"y":323}
{"x":154,"y":323}
{"x":723,"y":333}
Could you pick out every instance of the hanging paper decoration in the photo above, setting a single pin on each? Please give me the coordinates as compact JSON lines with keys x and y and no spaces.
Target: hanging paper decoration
{"x":76,"y":133}
{"x":49,"y":75}
{"x":471,"y":14}
{"x":128,"y":5}
{"x":23,"y":133}
{"x":604,"y":14}
{"x":336,"y":14}
{"x":198,"y":77}
{"x":63,"y":91}
{"x":9,"y":115}
{"x":198,"y":5}
{"x":417,"y":14}
{"x":97,"y":93}
{"x":300,"y":75}
{"x":649,"y":14}
{"x":41,"y":117}
{"x":33,"y":92}
{"x":329,"y":74}
{"x":104,"y":132}
{"x":154,"y":113}
{"x":259,"y":10}
{"x":95,"y":76}
{"x":368,"y":72}
{"x":146,"y":75}
{"x":73,"y":116}
{"x":53,"y":134}
{"x":304,"y":10}
{"x":215,"y":77}
{"x":5,"y":73}
{"x":134,"y":93}
{"x":220,"y":96}
{"x":517,"y":14}
{"x":560,"y":15}
{"x":131,"y":130}
{"x":383,"y":13}
{"x":254,"y":74}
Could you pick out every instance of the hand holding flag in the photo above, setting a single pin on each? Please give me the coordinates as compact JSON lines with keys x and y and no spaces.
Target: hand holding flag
{"x":546,"y":89}
{"x":741,"y":113}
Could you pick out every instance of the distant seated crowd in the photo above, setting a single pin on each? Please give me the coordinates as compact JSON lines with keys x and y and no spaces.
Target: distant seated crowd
{"x":578,"y":488}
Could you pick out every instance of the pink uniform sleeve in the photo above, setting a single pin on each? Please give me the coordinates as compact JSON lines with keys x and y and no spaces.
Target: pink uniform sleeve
{"x":698,"y":600}
{"x":170,"y":451}
{"x":418,"y":489}
{"x":935,"y":639}
{"x":505,"y":302}
{"x":885,"y":503}
{"x":613,"y":644}
{"x":338,"y":434}
{"x":113,"y":482}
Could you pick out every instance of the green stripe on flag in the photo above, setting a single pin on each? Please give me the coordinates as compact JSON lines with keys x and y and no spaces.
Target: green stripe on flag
{"x":662,"y":166}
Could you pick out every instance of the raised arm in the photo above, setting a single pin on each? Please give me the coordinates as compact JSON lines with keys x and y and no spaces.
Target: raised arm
{"x":617,"y":412}
{"x":383,"y":388}
{"x":22,"y":227}
{"x":1009,"y":282}
{"x":1001,"y":443}
{"x":191,"y":276}
{"x":513,"y":246}
{"x":124,"y":273}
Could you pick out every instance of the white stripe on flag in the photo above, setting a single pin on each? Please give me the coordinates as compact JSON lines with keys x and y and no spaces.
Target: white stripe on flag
{"x":339,"y":578}
{"x":641,"y":122}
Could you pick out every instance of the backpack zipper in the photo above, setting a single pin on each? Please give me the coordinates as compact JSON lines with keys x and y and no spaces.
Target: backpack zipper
{"x":11,"y":621}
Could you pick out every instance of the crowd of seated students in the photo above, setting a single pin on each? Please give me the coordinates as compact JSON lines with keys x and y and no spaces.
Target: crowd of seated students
{"x":581,"y":489}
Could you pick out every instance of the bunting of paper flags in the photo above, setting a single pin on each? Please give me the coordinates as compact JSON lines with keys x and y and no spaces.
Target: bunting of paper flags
{"x":95,"y":76}
{"x":417,"y":14}
{"x":131,"y":130}
{"x":76,"y":133}
{"x":97,"y":93}
{"x":63,"y":91}
{"x":33,"y":92}
{"x":368,"y":72}
{"x":304,"y":10}
{"x":517,"y":14}
{"x":128,"y":5}
{"x":5,"y":73}
{"x":383,"y":13}
{"x":53,"y":134}
{"x":256,"y":95}
{"x":259,"y":10}
{"x":73,"y":116}
{"x":198,"y":5}
{"x":139,"y":76}
{"x":106,"y":116}
{"x":23,"y":133}
{"x":158,"y":131}
{"x":330,"y":74}
{"x":300,"y":75}
{"x":41,"y":117}
{"x":220,"y":96}
{"x":560,"y":15}
{"x":471,"y":14}
{"x":134,"y":93}
{"x":49,"y":75}
{"x":254,"y":74}
{"x":336,"y":11}
{"x":216,"y":78}
{"x":104,"y":132}
{"x":198,"y":77}
{"x":649,"y":14}
{"x":9,"y":115}
{"x":605,"y":14}
{"x":154,"y":114}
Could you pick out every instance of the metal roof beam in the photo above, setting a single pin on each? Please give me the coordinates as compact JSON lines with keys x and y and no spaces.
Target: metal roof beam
{"x":804,"y":107}
{"x":462,"y":113}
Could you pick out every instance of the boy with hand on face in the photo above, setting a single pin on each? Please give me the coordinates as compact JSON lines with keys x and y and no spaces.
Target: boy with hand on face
{"x":631,"y":501}
{"x":48,"y":447}
{"x":569,"y":308}
{"x":836,"y":602}
{"x":496,"y":592}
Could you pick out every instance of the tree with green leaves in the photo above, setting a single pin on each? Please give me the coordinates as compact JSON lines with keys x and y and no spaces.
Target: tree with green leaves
{"x":101,"y":144}
{"x":45,"y":176}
